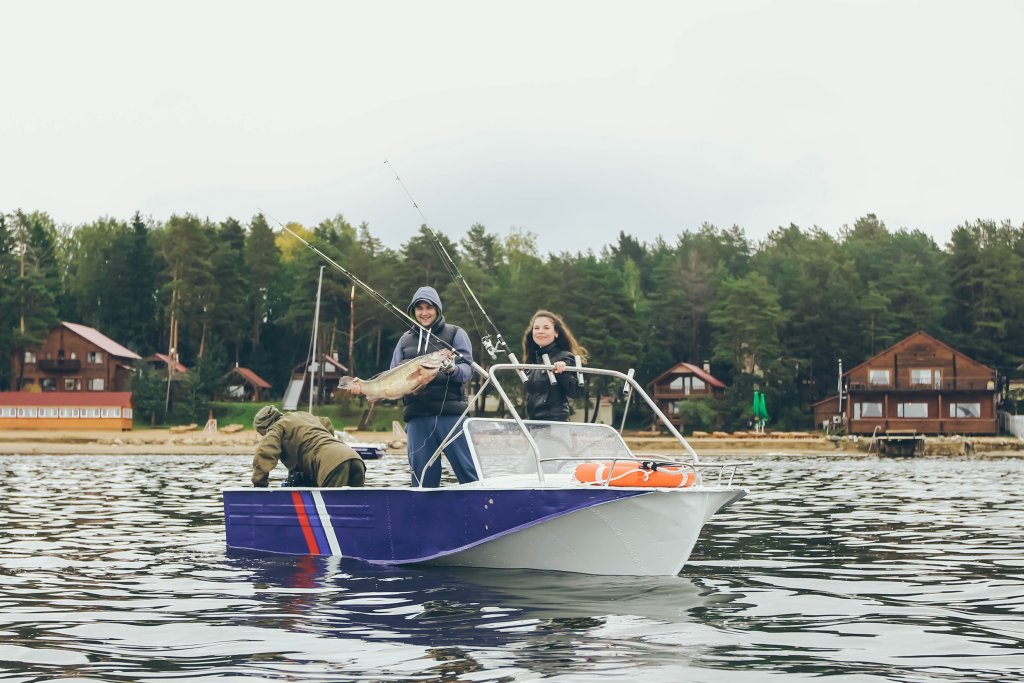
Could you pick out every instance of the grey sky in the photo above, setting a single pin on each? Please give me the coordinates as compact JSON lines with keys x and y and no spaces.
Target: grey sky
{"x":573,"y":120}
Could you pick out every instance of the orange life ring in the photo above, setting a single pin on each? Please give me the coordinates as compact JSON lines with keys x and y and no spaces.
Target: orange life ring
{"x":625,"y":473}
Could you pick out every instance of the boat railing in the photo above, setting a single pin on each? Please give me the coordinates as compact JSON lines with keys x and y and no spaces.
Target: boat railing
{"x":725,"y":471}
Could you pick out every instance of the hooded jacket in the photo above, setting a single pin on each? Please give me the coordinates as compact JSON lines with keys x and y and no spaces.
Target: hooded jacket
{"x":445,"y":394}
{"x":300,"y":441}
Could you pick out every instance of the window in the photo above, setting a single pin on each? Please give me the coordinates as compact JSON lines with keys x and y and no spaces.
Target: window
{"x":48,"y":384}
{"x":698,"y":384}
{"x":912,"y":410}
{"x":111,"y":412}
{"x":94,"y":384}
{"x":126,"y":413}
{"x":72,"y":384}
{"x":48,"y":412}
{"x":863,"y":410}
{"x":30,"y":357}
{"x":26,"y":412}
{"x":926,"y":377}
{"x":8,"y":412}
{"x":878,"y":377}
{"x":90,"y":412}
{"x":676,"y":384}
{"x":965,"y":410}
{"x":69,"y":412}
{"x":95,"y":357}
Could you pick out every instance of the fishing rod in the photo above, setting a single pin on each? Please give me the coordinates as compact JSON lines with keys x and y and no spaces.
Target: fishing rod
{"x":380,"y":298}
{"x":493,"y":348}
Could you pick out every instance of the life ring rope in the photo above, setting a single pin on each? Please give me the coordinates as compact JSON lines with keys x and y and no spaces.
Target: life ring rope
{"x":647,"y":473}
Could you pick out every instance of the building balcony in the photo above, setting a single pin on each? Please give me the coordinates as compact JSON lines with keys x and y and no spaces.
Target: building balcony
{"x":977,"y":425}
{"x":65,"y":365}
{"x":966,"y":384}
{"x":670,"y":394}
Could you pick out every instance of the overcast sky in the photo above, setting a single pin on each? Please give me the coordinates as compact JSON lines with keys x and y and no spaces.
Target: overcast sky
{"x":572,"y":120}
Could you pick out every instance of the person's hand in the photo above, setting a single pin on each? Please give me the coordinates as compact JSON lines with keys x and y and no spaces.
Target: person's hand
{"x":559,"y":367}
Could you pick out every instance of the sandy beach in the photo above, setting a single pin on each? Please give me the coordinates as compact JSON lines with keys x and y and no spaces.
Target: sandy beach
{"x":166,"y":442}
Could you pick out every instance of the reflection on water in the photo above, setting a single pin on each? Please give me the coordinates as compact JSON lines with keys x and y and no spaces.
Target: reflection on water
{"x":114,"y":568}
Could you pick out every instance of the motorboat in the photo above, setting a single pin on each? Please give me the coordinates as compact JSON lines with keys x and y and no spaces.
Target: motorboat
{"x":562,"y":496}
{"x":367,"y":450}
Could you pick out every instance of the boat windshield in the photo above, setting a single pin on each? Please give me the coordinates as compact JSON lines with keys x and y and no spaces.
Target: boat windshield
{"x":501,"y":448}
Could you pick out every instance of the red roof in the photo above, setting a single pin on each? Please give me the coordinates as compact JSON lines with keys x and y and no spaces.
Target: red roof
{"x":101,"y":340}
{"x":163,"y":358}
{"x":688,"y":368}
{"x":66,"y":398}
{"x":251,"y":377}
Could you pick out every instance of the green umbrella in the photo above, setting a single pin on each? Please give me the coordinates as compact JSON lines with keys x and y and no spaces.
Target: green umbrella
{"x":761,"y":409}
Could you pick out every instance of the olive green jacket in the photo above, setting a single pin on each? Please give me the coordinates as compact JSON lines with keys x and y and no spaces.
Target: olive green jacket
{"x":300,"y":441}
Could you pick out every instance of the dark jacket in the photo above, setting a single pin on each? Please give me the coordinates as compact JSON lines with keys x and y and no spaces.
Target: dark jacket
{"x":445,"y":394}
{"x":547,"y":401}
{"x":300,"y":441}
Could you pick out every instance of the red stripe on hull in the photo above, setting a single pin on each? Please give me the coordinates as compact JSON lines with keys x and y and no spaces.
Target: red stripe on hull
{"x":307,"y":530}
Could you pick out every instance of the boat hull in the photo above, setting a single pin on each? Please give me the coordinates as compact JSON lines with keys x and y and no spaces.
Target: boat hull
{"x":594,"y":530}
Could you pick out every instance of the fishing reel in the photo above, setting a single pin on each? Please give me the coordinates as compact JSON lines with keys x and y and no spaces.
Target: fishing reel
{"x":489,"y":346}
{"x":446,"y":365}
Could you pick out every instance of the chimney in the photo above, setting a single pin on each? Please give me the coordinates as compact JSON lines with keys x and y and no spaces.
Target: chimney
{"x":707,"y":367}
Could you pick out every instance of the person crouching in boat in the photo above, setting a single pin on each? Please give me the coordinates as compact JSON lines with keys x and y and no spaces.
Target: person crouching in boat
{"x":548,"y":334}
{"x":306,"y":445}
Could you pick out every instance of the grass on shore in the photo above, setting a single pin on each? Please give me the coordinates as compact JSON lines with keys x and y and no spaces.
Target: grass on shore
{"x":342,"y":415}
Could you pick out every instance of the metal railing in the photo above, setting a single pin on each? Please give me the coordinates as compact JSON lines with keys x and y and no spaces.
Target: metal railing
{"x":726,"y":472}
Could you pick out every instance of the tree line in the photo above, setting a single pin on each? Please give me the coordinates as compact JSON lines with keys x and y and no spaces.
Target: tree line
{"x":777,"y":314}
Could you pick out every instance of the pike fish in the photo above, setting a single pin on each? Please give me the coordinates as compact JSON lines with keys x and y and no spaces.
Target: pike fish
{"x":401,"y":380}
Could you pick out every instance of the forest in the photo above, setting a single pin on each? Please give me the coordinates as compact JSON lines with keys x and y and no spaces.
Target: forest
{"x":778,"y":314}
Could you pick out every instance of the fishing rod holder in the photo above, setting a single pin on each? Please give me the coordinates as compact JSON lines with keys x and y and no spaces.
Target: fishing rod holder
{"x":551,"y":375}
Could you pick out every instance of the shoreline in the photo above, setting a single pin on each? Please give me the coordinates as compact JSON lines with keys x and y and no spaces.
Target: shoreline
{"x":166,"y":442}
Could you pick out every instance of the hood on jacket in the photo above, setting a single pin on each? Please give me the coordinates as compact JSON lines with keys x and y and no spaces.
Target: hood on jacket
{"x":265,"y":419}
{"x":428,"y":294}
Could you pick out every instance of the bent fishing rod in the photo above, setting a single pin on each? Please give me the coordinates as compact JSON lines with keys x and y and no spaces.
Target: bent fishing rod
{"x":493,"y":348}
{"x":380,"y":298}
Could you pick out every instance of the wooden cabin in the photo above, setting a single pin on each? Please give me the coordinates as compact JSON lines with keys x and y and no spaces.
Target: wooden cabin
{"x":918,"y":385}
{"x":329,"y":371}
{"x":52,"y":410}
{"x":245,"y":385}
{"x":75,"y":358}
{"x":683,"y":382}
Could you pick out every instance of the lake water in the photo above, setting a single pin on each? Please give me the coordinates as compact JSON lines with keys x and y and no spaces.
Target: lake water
{"x":857,"y":569}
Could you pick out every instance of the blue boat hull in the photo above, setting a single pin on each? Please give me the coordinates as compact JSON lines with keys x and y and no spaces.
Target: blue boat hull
{"x":394,"y":525}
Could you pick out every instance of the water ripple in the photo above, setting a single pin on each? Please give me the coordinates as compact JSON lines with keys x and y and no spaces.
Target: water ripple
{"x":860,"y":569}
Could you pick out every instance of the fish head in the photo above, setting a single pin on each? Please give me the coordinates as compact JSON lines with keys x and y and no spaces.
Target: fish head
{"x":437,"y":360}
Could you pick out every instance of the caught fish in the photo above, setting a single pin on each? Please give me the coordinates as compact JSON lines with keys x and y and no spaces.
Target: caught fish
{"x":401,"y":380}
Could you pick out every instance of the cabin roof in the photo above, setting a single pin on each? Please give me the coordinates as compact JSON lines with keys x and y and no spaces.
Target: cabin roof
{"x":330,"y":365}
{"x":101,"y":340}
{"x":163,"y":358}
{"x":250,"y":377}
{"x":688,"y":368}
{"x":918,"y":337}
{"x":834,"y":398}
{"x":65,"y":398}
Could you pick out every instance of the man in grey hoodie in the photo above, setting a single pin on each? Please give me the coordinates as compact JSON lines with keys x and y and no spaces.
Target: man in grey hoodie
{"x":431,"y":414}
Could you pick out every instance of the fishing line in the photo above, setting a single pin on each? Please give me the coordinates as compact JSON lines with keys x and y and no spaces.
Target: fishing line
{"x":380,"y":298}
{"x":439,"y":249}
{"x":453,"y":269}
